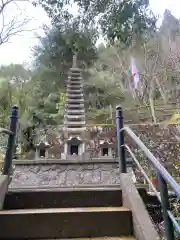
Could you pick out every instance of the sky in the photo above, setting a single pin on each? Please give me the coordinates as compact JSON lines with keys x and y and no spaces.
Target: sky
{"x":19,"y":49}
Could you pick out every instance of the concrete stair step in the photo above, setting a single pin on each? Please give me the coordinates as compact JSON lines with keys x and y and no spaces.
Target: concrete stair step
{"x":66,"y":223}
{"x":63,"y":199}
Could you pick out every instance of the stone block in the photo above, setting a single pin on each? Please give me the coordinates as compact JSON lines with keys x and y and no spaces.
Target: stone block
{"x":66,"y":223}
{"x":143,"y":226}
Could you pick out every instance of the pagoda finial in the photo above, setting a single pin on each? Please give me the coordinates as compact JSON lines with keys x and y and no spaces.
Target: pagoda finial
{"x":74,"y":61}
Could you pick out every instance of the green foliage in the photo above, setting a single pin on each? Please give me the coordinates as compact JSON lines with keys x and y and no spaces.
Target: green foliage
{"x":170,"y":26}
{"x":57,"y":49}
{"x":53,"y":59}
{"x":60,"y":44}
{"x":101,"y":90}
{"x":117,"y":20}
{"x":127,"y":20}
{"x":15,"y":72}
{"x":97,"y":115}
{"x":39,"y":93}
{"x":14,"y":89}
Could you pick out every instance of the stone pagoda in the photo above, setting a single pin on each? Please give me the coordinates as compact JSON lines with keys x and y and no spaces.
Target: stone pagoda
{"x":74,"y":118}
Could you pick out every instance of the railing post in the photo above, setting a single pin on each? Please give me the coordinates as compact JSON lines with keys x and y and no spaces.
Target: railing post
{"x":120,"y":139}
{"x":11,"y":142}
{"x":168,"y":225}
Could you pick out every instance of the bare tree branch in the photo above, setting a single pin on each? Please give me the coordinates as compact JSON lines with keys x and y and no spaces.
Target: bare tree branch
{"x":15,"y":25}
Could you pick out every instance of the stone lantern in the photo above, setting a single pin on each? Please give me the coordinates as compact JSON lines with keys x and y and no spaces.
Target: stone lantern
{"x":42,"y":149}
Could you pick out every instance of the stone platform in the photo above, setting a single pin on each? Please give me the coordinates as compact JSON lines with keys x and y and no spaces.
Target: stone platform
{"x":63,"y":173}
{"x":54,"y":173}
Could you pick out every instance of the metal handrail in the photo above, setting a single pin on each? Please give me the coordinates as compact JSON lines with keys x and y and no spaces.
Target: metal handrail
{"x":143,"y":172}
{"x":167,"y":177}
{"x":173,"y":219}
{"x":164,"y":178}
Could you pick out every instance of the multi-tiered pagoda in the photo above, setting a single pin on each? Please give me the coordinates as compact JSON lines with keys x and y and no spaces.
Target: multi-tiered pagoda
{"x":75,"y":138}
{"x":74,"y":118}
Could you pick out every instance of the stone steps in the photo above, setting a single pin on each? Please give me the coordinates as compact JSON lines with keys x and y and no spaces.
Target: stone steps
{"x":65,"y":213}
{"x":63,"y":198}
{"x":65,"y":223}
{"x":88,"y":213}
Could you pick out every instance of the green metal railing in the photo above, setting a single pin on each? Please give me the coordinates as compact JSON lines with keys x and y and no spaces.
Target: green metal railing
{"x":164,"y":178}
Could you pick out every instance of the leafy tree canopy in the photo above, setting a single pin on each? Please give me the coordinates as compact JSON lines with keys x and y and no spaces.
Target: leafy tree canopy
{"x":58,"y":47}
{"x":53,"y":58}
{"x":170,"y":26}
{"x":15,"y":72}
{"x":121,"y":20}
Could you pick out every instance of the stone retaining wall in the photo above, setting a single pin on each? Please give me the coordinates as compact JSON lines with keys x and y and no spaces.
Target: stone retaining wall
{"x":163,"y":141}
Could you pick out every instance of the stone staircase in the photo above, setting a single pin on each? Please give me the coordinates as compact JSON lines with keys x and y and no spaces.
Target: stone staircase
{"x":66,"y":223}
{"x":66,"y":214}
{"x":98,"y":212}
